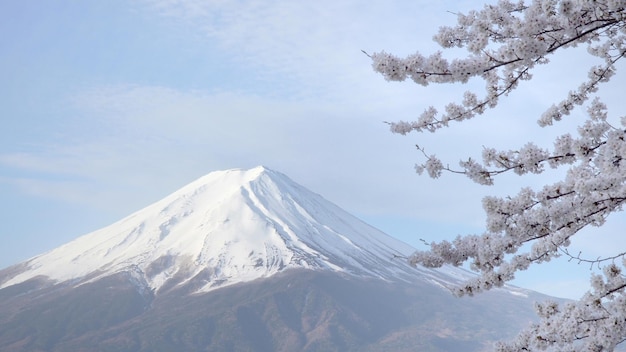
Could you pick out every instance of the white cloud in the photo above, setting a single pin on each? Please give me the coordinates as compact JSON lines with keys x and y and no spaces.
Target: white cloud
{"x":311,"y":48}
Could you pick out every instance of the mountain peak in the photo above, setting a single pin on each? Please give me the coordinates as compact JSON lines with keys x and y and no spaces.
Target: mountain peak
{"x":230,"y":177}
{"x":226,"y":227}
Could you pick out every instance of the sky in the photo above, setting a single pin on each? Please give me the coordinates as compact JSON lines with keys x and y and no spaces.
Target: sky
{"x":108,"y":106}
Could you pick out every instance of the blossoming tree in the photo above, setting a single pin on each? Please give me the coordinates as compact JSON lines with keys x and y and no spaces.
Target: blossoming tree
{"x":505,"y":41}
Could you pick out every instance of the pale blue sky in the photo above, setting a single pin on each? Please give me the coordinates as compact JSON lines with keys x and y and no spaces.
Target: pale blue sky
{"x":108,"y":106}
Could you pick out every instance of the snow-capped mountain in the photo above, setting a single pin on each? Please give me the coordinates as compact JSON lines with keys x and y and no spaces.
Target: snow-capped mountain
{"x":310,"y":277}
{"x":228,"y":227}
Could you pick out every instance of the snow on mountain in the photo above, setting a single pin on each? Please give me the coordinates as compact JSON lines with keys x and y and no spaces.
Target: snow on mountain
{"x":228,"y":227}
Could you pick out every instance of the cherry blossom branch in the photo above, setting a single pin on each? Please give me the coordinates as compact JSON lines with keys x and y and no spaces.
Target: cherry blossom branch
{"x":592,"y":262}
{"x":505,"y":41}
{"x":510,"y":56}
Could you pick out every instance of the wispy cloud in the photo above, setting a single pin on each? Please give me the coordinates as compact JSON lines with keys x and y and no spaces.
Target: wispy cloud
{"x":307,"y":47}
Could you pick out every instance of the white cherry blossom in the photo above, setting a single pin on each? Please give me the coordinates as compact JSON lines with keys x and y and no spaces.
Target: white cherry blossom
{"x":505,"y":42}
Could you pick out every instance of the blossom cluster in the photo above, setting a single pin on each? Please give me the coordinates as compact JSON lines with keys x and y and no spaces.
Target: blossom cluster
{"x":505,"y":41}
{"x":596,"y":322}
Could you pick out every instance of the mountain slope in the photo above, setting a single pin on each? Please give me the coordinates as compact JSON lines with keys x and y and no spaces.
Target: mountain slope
{"x":295,"y":310}
{"x":227,"y":227}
